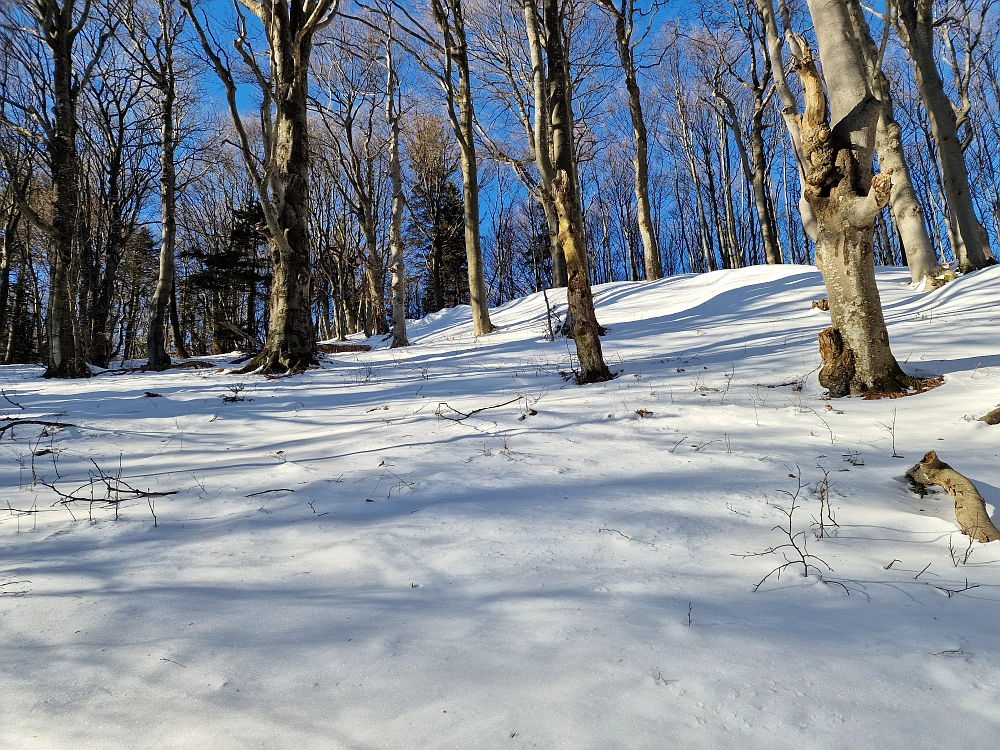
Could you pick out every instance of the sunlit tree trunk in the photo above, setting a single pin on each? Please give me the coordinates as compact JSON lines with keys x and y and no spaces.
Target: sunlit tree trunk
{"x":915,"y":24}
{"x":846,"y":201}
{"x":582,"y":319}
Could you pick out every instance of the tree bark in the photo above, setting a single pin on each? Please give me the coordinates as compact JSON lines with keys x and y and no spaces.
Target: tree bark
{"x":846,"y":200}
{"x":623,"y":18}
{"x":906,"y":210}
{"x":542,"y":146}
{"x":915,"y":24}
{"x":398,"y":292}
{"x":283,"y":186}
{"x":457,"y":55}
{"x":582,"y":319}
{"x":65,"y":357}
{"x":165,"y":82}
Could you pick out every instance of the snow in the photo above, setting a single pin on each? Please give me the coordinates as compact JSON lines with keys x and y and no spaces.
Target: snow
{"x":572,"y":579}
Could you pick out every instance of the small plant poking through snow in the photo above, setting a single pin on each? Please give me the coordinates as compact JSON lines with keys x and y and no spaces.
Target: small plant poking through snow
{"x":235,"y":394}
{"x":794,"y":550}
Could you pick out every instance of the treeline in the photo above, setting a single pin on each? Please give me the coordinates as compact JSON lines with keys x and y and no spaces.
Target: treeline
{"x":193,"y":179}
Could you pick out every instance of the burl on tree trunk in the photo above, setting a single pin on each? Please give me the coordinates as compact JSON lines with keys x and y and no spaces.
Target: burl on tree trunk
{"x":970,"y":509}
{"x":846,"y":201}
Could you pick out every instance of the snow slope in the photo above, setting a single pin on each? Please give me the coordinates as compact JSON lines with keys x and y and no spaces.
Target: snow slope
{"x":572,"y":579}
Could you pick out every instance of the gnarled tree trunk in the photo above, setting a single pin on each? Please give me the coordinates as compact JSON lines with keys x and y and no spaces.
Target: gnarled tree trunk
{"x":845,"y":200}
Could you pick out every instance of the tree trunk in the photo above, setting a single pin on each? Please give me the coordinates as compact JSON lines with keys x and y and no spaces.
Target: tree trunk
{"x":762,"y":202}
{"x":398,"y":293}
{"x":175,"y":324}
{"x":158,"y":358}
{"x":846,"y":201}
{"x":907,"y":212}
{"x":581,"y":316}
{"x":6,"y":255}
{"x":65,"y":358}
{"x":623,"y":18}
{"x":164,"y":293}
{"x":915,"y":23}
{"x":542,"y":146}
{"x":283,"y":185}
{"x":457,"y":52}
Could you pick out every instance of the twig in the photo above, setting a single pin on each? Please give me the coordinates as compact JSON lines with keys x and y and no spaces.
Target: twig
{"x":921,"y":572}
{"x":627,"y":537}
{"x":462,"y":415}
{"x":264,"y":492}
{"x":8,"y":400}
{"x":678,"y":443}
{"x":950,"y":592}
{"x":44,"y":423}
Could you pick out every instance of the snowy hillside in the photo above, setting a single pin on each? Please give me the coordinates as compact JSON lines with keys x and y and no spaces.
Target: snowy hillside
{"x":350,"y":562}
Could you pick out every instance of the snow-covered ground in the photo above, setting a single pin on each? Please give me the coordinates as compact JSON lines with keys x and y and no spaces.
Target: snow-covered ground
{"x":349,"y":563}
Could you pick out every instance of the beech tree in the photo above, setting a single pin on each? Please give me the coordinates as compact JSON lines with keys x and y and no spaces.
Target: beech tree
{"x":155,"y":42}
{"x":916,"y":24}
{"x":624,"y":13}
{"x":281,"y":177}
{"x":838,"y":131}
{"x":48,"y":60}
{"x":581,"y":318}
{"x":452,"y":71}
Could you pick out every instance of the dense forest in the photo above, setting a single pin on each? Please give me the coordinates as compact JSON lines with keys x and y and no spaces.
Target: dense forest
{"x":182,"y":178}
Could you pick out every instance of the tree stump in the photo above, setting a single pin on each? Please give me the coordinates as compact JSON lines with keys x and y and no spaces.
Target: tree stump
{"x":970,"y":508}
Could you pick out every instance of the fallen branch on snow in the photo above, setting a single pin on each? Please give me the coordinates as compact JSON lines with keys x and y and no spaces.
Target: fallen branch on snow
{"x":15,"y":422}
{"x":970,"y":509}
{"x":462,"y":415}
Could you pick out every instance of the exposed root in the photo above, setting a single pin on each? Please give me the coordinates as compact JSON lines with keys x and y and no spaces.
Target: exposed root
{"x":918,"y":385}
{"x":277,"y":363}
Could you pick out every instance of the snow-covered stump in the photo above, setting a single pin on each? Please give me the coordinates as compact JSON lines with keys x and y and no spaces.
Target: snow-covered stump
{"x":970,"y":509}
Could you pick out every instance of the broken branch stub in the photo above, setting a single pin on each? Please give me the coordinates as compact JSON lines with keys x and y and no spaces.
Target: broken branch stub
{"x":970,"y":509}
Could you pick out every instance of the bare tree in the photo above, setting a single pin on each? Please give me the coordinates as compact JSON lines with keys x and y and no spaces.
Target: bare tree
{"x":393,"y":113}
{"x":54,"y":28}
{"x":837,"y":148}
{"x":451,"y":70}
{"x":282,"y":176}
{"x":915,"y":24}
{"x":582,"y":320}
{"x":352,"y":111}
{"x":906,"y":210}
{"x":624,"y":14}
{"x":155,"y":43}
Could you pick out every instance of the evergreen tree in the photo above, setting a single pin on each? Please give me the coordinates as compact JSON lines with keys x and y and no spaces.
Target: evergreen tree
{"x":435,"y":232}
